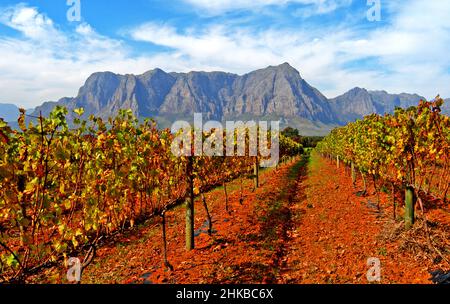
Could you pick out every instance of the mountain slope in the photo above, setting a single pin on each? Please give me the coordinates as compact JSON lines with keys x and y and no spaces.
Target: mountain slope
{"x":359,"y":102}
{"x":276,"y":92}
{"x":9,"y":112}
{"x":446,"y":107}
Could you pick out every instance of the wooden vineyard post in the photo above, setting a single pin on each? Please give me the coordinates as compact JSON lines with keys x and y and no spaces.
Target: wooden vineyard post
{"x":166,"y":261}
{"x":226,"y":196}
{"x":208,"y":215}
{"x":256,"y":173}
{"x":410,"y":201}
{"x":337,"y":161}
{"x":353,"y":174}
{"x":241,"y":199}
{"x":190,"y":206}
{"x":394,"y":204}
{"x":364,"y":182}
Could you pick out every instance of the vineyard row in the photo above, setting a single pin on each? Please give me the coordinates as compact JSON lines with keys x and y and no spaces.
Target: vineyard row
{"x":409,"y":149}
{"x":62,"y":188}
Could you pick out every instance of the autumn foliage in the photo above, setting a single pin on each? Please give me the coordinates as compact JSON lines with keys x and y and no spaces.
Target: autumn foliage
{"x":63,"y":189}
{"x":410,"y":148}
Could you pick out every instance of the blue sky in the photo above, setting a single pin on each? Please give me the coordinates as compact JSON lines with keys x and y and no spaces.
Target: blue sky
{"x":44,"y":56}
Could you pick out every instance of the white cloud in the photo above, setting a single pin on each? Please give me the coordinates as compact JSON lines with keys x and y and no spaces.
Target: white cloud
{"x":221,"y":6}
{"x":412,"y":50}
{"x":28,"y":21}
{"x":45,"y":63}
{"x":321,"y":8}
{"x":215,"y":47}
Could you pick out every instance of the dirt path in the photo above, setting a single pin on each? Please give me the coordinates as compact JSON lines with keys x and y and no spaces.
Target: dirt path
{"x":336,"y":232}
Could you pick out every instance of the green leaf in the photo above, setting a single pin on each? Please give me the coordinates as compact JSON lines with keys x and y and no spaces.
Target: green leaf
{"x":79,"y":111}
{"x":11,"y":261}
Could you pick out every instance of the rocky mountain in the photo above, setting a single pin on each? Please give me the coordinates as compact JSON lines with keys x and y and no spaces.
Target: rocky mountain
{"x":359,"y":102}
{"x":446,"y":107}
{"x":8,"y":112}
{"x":276,"y":92}
{"x":281,"y":91}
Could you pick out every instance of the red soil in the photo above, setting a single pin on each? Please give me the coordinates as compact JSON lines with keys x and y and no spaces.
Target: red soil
{"x":305,"y":224}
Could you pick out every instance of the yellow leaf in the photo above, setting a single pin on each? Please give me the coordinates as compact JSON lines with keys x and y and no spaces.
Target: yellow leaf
{"x":78,"y":232}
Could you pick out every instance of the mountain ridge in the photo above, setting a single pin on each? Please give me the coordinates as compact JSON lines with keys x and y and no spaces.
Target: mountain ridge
{"x":360,"y":102}
{"x":9,"y":112}
{"x":275,"y":92}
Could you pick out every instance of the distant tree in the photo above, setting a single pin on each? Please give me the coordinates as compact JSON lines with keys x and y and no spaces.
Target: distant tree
{"x":311,"y":141}
{"x":306,"y":141}
{"x":293,"y":134}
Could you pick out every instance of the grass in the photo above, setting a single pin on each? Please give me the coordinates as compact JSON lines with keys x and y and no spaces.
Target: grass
{"x":276,"y":214}
{"x":323,"y":217}
{"x":382,"y":251}
{"x":314,"y":163}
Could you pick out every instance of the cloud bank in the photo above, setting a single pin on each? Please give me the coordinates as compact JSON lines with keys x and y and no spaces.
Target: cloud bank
{"x":407,"y":54}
